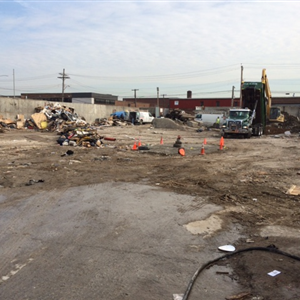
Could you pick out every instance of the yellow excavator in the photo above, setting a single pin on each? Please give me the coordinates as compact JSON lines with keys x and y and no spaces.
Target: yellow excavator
{"x":273,"y":113}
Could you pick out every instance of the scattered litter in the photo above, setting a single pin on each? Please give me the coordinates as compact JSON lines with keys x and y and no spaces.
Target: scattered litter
{"x":222,"y":273}
{"x":102,"y":158}
{"x":69,"y":152}
{"x":287,"y":133}
{"x":254,"y":199}
{"x":74,"y":161}
{"x":143,"y":148}
{"x":249,"y":241}
{"x":274,"y":273}
{"x":177,"y":296}
{"x":293,"y":190}
{"x":240,"y":296}
{"x":33,"y":181}
{"x":227,"y":248}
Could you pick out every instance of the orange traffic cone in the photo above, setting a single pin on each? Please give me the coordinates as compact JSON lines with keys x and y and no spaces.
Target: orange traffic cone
{"x":181,"y":151}
{"x":161,"y":141}
{"x":222,"y":141}
{"x":204,"y":143}
{"x":134,"y":147}
{"x":139,"y":143}
{"x":202,"y":150}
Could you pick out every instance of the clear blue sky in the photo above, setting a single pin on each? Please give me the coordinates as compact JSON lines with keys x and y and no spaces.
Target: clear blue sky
{"x":116,"y":46}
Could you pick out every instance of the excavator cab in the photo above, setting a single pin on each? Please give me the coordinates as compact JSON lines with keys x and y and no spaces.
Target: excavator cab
{"x":276,"y":115}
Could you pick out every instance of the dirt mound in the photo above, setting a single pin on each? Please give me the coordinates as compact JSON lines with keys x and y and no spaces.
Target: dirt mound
{"x":291,"y":123}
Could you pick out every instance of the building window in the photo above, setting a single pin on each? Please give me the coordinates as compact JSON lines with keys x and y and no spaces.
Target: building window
{"x":235,"y":103}
{"x":176,"y":102}
{"x":218,"y":103}
{"x":202,"y":103}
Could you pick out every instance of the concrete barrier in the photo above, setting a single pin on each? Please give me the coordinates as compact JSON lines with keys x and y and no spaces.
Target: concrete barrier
{"x":10,"y":107}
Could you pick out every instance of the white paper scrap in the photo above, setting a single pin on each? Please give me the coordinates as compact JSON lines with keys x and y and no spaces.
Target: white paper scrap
{"x":177,"y":296}
{"x":274,"y":273}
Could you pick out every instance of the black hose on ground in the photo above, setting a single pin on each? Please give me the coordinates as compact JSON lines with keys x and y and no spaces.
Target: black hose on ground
{"x":271,"y":248}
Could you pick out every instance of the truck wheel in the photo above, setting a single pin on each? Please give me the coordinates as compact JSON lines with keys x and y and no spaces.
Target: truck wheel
{"x":259,"y":131}
{"x":141,"y":122}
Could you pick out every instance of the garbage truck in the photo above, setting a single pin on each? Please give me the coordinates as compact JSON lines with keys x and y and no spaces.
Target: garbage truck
{"x":251,"y":118}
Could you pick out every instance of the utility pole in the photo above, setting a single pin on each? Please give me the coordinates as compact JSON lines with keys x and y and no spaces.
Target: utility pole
{"x":241,"y":94}
{"x":14,"y":82}
{"x":232,"y":96}
{"x":135,"y":96}
{"x":157,"y":102}
{"x":63,"y":76}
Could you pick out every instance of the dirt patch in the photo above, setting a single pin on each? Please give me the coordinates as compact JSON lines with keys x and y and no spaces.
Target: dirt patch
{"x":247,"y":178}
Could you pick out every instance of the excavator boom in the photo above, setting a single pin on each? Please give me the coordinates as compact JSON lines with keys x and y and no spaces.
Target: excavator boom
{"x":273,"y":113}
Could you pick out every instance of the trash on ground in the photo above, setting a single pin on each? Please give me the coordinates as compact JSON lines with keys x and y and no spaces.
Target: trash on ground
{"x":227,"y":248}
{"x":274,"y":273}
{"x":177,"y":296}
{"x":33,"y":181}
{"x":293,"y":190}
{"x":240,"y":296}
{"x":69,"y":152}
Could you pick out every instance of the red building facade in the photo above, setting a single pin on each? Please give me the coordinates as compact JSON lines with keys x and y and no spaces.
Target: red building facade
{"x":192,"y":104}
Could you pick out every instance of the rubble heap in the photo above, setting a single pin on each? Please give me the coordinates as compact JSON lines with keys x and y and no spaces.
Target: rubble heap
{"x":180,"y":115}
{"x":291,"y":123}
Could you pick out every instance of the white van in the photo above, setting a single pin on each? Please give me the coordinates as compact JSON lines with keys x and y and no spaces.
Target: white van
{"x":209,"y":119}
{"x":143,"y":117}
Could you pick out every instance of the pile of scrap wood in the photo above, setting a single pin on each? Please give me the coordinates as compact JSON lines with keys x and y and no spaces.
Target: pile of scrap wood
{"x":54,"y":117}
{"x":17,"y":123}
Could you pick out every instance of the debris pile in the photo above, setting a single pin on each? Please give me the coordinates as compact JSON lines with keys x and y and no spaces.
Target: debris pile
{"x":85,"y":137}
{"x":6,"y":123}
{"x":54,"y":117}
{"x":180,"y":115}
{"x":291,"y":123}
{"x":111,"y":121}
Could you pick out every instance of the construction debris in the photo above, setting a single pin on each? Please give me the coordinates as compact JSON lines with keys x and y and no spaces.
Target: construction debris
{"x":180,"y":115}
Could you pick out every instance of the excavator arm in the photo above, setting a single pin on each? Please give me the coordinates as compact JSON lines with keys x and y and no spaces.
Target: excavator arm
{"x":265,"y":81}
{"x":273,"y":113}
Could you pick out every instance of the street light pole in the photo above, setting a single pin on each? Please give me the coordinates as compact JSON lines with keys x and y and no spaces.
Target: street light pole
{"x":14,"y":82}
{"x":232,"y":96}
{"x":134,"y":90}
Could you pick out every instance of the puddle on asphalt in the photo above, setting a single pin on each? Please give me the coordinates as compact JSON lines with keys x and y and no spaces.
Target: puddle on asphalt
{"x":206,"y":227}
{"x":210,"y":225}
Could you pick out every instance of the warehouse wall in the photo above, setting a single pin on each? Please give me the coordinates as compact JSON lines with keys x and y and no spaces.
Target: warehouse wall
{"x":10,"y":107}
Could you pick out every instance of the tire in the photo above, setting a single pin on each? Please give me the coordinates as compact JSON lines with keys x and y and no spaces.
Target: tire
{"x":259,"y":131}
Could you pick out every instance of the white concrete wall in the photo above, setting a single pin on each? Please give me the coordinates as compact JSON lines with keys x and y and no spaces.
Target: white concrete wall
{"x":10,"y":107}
{"x":293,"y":110}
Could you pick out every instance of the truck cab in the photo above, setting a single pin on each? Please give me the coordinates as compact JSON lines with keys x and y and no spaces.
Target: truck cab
{"x":238,"y":123}
{"x":251,"y":118}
